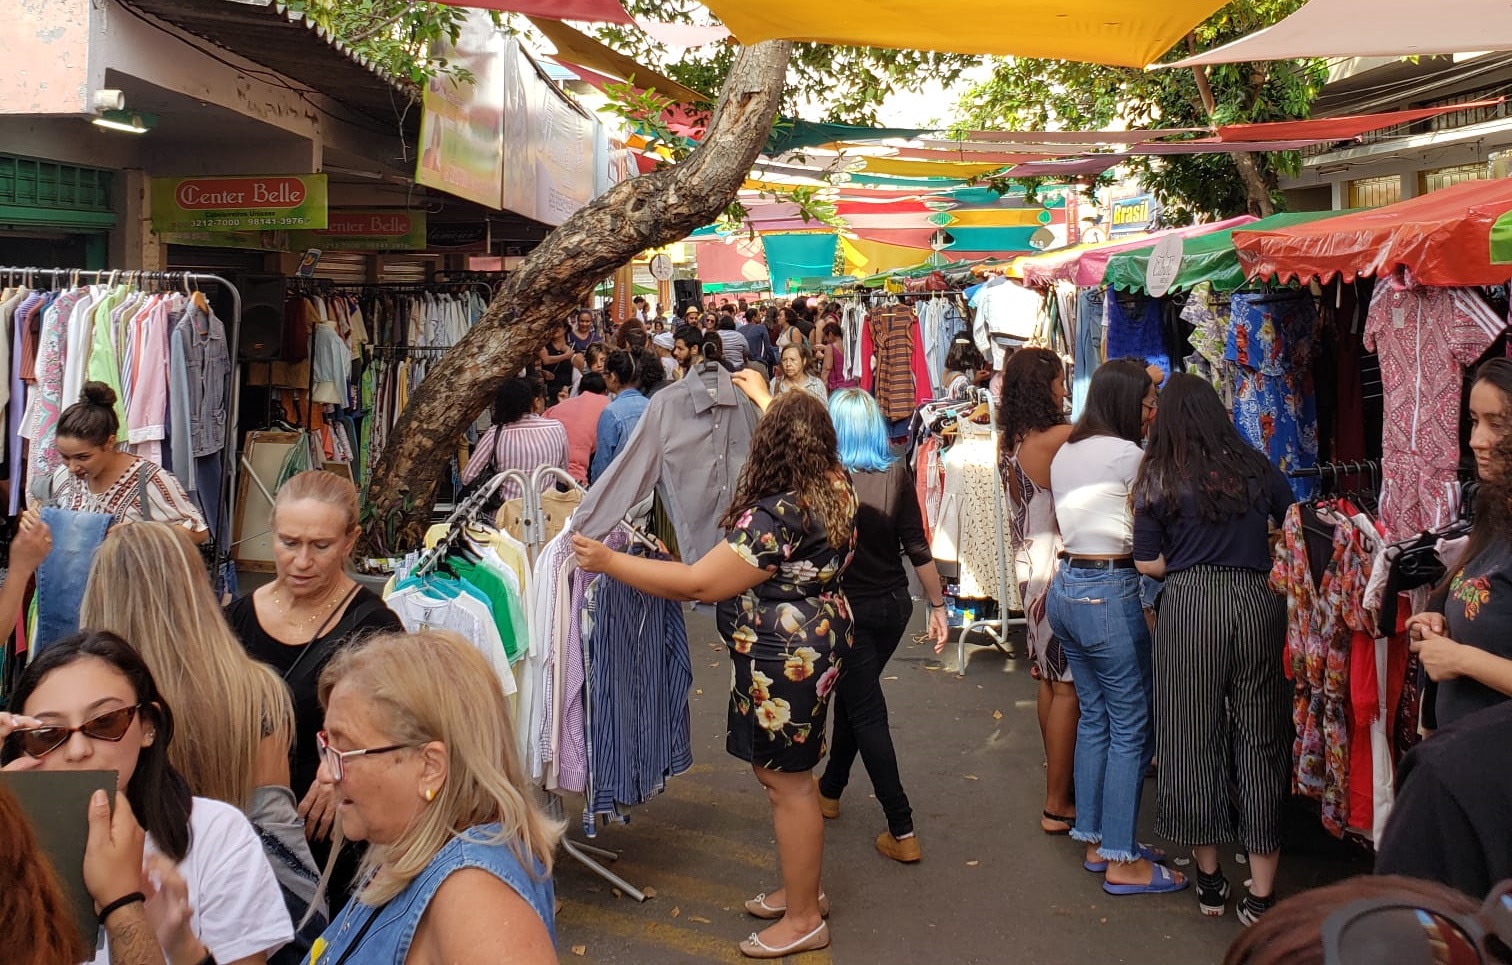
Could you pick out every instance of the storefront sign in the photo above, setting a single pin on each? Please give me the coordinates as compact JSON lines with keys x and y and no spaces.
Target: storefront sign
{"x":459,"y":236}
{"x":462,"y":127}
{"x":1133,"y":215}
{"x":274,"y":202}
{"x":367,"y":230}
{"x":245,"y":240}
{"x":1164,"y":265}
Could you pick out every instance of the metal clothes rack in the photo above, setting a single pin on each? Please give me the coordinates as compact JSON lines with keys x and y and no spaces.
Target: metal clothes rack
{"x":533,"y":528}
{"x":996,"y":630}
{"x":184,"y":280}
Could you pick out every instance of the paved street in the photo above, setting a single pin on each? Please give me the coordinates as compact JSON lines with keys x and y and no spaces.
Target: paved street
{"x":991,"y":888}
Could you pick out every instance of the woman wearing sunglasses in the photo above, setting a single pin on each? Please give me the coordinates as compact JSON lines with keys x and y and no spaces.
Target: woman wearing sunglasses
{"x":421,"y":757}
{"x":93,"y":706}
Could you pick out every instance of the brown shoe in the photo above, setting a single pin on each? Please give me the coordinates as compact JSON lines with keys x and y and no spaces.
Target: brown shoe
{"x":828,"y":806}
{"x":907,"y":850}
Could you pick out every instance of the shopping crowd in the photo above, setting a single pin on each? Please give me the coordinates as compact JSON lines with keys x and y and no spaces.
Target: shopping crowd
{"x":292,"y":785}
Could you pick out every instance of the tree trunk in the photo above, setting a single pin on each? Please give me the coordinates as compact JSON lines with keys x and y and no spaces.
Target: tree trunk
{"x":1258,"y":192}
{"x":644,"y":212}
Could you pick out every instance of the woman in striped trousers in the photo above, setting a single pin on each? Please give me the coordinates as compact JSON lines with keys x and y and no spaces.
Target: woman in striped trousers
{"x":1203,"y":504}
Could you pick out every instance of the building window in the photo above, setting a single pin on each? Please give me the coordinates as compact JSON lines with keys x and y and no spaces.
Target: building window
{"x":1374,"y":192}
{"x":1444,"y":177}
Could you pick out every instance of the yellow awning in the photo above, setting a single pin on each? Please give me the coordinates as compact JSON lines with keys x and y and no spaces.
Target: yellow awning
{"x":929,"y":169}
{"x":1098,"y":31}
{"x":579,"y":48}
{"x":864,"y":257}
{"x":996,"y":218}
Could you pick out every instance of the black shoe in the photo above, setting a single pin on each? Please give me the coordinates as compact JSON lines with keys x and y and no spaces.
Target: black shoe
{"x":1212,"y":894}
{"x":1252,"y":908}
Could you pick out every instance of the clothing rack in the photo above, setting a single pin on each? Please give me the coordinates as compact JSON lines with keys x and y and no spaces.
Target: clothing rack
{"x":996,"y":629}
{"x":1351,"y":468}
{"x":533,"y":528}
{"x":404,"y":351}
{"x":466,"y":513}
{"x":166,"y":280}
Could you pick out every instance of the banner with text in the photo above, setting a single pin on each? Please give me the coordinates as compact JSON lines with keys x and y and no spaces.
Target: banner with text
{"x":367,"y":230}
{"x":462,"y":126}
{"x":549,"y":145}
{"x":259,"y":203}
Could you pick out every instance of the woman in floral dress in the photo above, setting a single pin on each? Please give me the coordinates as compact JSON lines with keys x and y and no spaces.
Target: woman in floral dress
{"x":791,"y":530}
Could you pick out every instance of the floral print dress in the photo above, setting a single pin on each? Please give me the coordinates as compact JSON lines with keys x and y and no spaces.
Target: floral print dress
{"x":787,"y":636}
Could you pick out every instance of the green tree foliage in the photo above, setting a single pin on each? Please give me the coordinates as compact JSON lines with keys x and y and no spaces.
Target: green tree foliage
{"x":1032,"y":94}
{"x":396,"y":35}
{"x":846,"y":85}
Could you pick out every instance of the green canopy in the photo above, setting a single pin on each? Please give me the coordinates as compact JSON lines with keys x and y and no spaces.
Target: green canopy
{"x":606,"y":290}
{"x":1210,"y":258}
{"x":737,"y":287}
{"x":793,"y":135}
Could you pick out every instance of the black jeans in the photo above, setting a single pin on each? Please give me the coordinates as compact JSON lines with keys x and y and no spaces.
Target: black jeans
{"x":861,"y":709}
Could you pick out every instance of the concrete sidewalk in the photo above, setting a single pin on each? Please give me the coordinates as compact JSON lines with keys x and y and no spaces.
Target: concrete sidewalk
{"x":991,"y":889}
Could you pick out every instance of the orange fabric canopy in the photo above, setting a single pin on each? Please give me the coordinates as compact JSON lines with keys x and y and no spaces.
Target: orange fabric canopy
{"x":1340,"y":128}
{"x":1442,"y":238}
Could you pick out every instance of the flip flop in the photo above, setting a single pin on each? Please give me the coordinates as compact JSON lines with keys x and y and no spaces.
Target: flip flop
{"x":1069,"y":822}
{"x":1162,"y":881}
{"x":1147,"y":852}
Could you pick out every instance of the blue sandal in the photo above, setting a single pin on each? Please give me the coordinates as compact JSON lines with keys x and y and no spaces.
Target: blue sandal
{"x":1146,"y":851}
{"x":1162,"y":881}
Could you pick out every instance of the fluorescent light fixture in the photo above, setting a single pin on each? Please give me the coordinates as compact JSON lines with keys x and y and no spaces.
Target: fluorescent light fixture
{"x":130,"y":122}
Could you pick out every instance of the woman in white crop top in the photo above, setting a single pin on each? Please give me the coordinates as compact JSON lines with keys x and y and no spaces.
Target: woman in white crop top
{"x":1094,"y":609}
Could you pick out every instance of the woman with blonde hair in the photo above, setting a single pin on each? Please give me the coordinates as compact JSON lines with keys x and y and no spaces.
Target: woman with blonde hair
{"x":296,"y":623}
{"x":420,"y":752}
{"x":238,"y":719}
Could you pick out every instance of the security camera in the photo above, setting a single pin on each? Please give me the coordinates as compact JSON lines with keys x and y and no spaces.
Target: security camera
{"x":109,"y":99}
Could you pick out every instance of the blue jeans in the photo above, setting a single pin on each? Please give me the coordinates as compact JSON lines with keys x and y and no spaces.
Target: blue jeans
{"x":1096,"y":614}
{"x":76,"y":537}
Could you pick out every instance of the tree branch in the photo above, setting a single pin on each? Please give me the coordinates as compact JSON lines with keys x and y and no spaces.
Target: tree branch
{"x":644,"y":212}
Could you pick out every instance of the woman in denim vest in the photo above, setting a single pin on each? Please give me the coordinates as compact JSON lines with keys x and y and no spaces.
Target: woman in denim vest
{"x":422,"y":756}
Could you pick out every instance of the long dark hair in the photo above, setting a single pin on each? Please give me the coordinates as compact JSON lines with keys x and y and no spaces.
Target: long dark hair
{"x":1115,"y":402}
{"x":794,"y":450}
{"x":1027,"y":405}
{"x":1493,"y":498}
{"x":159,"y":795}
{"x":1194,"y":445}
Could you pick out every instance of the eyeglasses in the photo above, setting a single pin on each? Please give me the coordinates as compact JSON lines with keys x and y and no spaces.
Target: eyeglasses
{"x":1410,"y":933}
{"x":110,"y":726}
{"x":336,"y":760}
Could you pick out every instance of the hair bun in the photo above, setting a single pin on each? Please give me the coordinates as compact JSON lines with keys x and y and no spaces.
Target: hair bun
{"x":98,"y":393}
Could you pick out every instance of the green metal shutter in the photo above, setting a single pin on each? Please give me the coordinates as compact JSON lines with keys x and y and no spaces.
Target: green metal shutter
{"x":40,"y":193}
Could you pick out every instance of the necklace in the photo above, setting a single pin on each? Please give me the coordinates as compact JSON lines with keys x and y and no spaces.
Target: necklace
{"x":322,"y":610}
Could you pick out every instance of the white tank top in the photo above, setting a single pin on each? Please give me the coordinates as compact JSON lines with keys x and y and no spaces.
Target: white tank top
{"x":1092,"y":480}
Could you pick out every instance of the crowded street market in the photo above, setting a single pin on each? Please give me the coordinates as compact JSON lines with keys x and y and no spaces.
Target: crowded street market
{"x":1061,"y":452}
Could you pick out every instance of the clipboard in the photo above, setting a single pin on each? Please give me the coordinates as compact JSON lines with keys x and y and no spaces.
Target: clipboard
{"x":57,"y":805}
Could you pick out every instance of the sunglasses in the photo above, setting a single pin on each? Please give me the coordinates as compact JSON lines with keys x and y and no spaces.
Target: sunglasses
{"x":336,"y":760}
{"x":1411,"y":933}
{"x":110,"y":726}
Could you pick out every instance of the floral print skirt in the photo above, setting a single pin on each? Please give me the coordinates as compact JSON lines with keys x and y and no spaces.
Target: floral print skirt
{"x":778,"y":707}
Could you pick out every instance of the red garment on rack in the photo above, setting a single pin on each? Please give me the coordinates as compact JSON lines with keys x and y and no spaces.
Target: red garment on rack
{"x":900,"y":380}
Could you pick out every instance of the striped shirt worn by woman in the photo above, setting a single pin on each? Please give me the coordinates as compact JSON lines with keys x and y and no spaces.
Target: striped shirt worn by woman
{"x":525,"y":444}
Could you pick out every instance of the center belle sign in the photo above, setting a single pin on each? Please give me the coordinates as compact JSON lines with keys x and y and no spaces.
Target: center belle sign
{"x":274,"y":202}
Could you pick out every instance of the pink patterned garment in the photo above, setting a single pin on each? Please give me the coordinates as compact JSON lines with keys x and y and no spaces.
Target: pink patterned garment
{"x":1319,"y":628}
{"x":1425,"y":337}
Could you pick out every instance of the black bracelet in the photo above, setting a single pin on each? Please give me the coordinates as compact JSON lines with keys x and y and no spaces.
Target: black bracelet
{"x":120,"y":903}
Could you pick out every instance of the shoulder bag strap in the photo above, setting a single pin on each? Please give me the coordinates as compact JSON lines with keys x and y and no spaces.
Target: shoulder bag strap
{"x":143,"y":504}
{"x":334,"y":615}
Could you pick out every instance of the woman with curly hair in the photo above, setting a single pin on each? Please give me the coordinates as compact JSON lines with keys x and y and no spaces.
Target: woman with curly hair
{"x":1032,"y":417}
{"x":776,"y":578}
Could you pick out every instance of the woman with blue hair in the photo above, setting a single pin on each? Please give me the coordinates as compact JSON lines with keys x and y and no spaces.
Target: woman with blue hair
{"x":889,"y":525}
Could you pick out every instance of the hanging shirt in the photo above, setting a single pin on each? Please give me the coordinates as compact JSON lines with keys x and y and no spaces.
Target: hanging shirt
{"x":1272,"y":338}
{"x":688,"y":447}
{"x":1425,"y":338}
{"x":1006,"y":308}
{"x":1134,"y":330}
{"x":464,"y":614}
{"x":900,"y":380}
